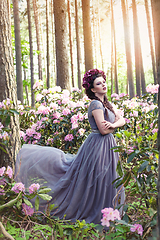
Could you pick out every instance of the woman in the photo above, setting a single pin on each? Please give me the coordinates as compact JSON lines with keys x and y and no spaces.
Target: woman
{"x":81,"y":184}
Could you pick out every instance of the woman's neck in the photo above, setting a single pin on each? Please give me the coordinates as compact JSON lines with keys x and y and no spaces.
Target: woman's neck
{"x":100,"y":96}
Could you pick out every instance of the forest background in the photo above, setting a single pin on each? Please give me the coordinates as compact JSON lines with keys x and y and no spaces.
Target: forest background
{"x":57,"y":41}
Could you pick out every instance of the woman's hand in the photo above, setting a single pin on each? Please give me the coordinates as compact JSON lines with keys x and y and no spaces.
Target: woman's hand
{"x":107,"y":125}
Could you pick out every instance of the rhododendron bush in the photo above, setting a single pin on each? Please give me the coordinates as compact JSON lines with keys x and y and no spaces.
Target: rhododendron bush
{"x":60,"y":120}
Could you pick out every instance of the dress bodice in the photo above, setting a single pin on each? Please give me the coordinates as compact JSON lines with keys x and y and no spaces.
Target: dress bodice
{"x":95,"y":104}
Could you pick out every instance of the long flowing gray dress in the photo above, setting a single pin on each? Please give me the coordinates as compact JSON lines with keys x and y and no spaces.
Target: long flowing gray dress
{"x":81,"y":184}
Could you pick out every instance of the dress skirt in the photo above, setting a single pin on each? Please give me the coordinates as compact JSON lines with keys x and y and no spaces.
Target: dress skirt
{"x":81,"y":184}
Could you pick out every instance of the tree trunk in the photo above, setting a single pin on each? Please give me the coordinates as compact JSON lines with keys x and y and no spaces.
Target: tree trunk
{"x":47,"y":34}
{"x":78,"y":46}
{"x":70,"y":43}
{"x":53,"y":40}
{"x":87,"y":35}
{"x":115,"y":52}
{"x":100,"y":37}
{"x":156,"y":21}
{"x":18,"y":51}
{"x":136,"y":49}
{"x":31,"y":53}
{"x":62,"y":60}
{"x":128,"y":50}
{"x":8,"y":84}
{"x":36,"y":18}
{"x":151,"y":42}
{"x":140,"y":78}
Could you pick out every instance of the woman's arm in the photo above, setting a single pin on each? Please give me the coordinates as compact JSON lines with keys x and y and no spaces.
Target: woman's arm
{"x":119,"y":122}
{"x":98,"y":115}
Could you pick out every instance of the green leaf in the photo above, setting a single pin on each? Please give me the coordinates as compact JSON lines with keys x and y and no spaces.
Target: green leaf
{"x":60,"y":230}
{"x":13,"y":111}
{"x":45,"y":190}
{"x":132,"y":156}
{"x":45,"y":197}
{"x":37,"y":203}
{"x":119,"y":135}
{"x":127,"y":134}
{"x":143,"y":166}
{"x":28,"y":202}
{"x":119,"y":169}
{"x":124,"y":223}
{"x":8,"y":120}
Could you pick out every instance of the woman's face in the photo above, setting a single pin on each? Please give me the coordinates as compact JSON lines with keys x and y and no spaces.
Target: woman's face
{"x":100,"y":86}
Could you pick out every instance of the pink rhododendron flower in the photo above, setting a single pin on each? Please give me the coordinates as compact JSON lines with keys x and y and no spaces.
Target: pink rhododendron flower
{"x":30,"y":132}
{"x":129,"y":150}
{"x":53,"y":105}
{"x":66,"y":111}
{"x":127,"y":120}
{"x":56,"y":115}
{"x":122,"y":95}
{"x":56,"y":89}
{"x":37,"y":136}
{"x":34,"y":187}
{"x":2,"y":170}
{"x":120,"y":112}
{"x":1,"y":126}
{"x":38,"y":84}
{"x":18,"y":187}
{"x":74,"y":125}
{"x":21,"y":133}
{"x":27,"y":209}
{"x":9,"y":172}
{"x":114,"y":95}
{"x":80,"y":116}
{"x":4,"y":135}
{"x":155,"y":130}
{"x":43,"y":110}
{"x":151,"y":125}
{"x":80,"y":104}
{"x":109,"y":214}
{"x":39,"y":97}
{"x":74,"y":119}
{"x":138,"y":228}
{"x":152,"y":88}
{"x":134,"y":114}
{"x":81,"y":131}
{"x":65,"y":100}
{"x":65,"y":93}
{"x":68,"y":137}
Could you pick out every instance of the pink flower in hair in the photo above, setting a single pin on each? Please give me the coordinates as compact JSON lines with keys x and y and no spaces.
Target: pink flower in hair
{"x":89,"y":77}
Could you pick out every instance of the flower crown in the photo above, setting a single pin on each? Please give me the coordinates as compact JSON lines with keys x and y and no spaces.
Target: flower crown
{"x":90,"y":76}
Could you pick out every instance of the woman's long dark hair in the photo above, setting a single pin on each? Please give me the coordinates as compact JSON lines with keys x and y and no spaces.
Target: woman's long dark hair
{"x":92,"y":96}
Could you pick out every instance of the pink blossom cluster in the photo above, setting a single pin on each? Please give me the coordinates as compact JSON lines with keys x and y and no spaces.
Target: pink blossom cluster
{"x":134,"y":114}
{"x":129,"y":150}
{"x":68,"y":137}
{"x":8,"y":172}
{"x":137,"y":228}
{"x":155,"y":130}
{"x":81,"y":131}
{"x":109,"y":214}
{"x":18,"y":187}
{"x":27,"y":209}
{"x":4,"y":135}
{"x":34,"y":187}
{"x":38,"y":84}
{"x":116,"y":96}
{"x":151,"y":88}
{"x":43,"y":110}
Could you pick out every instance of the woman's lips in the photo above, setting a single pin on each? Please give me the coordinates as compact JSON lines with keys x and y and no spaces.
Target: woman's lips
{"x":104,"y":88}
